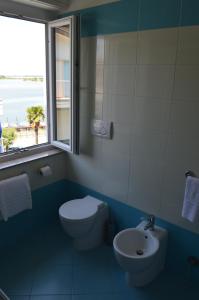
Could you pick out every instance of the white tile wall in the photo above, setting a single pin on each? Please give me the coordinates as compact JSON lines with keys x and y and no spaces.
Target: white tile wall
{"x":151,"y":114}
{"x":154,"y":81}
{"x":150,"y":145}
{"x":122,"y":80}
{"x":184,"y":117}
{"x":97,"y":106}
{"x":186,"y":85}
{"x":122,"y":109}
{"x":99,"y":79}
{"x":157,"y":47}
{"x":121,"y":142}
{"x":121,"y":49}
{"x":144,"y":184}
{"x":188,"y":46}
{"x":147,"y":84}
{"x":56,"y":162}
{"x":115,"y":175}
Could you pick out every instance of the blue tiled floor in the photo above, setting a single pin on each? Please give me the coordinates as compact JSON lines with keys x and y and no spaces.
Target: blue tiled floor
{"x":47,"y":267}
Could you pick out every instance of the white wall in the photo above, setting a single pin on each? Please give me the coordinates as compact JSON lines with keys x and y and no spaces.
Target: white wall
{"x":78,"y":5}
{"x":56,"y":162}
{"x":146,"y":83}
{"x":14,"y":8}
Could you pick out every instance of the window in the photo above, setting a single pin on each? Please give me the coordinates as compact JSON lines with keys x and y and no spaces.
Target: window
{"x":39,"y":106}
{"x":63,"y":70}
{"x":23,"y":114}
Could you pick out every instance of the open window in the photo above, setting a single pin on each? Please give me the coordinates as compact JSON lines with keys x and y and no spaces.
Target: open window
{"x":38,"y":100}
{"x":23,"y":101}
{"x":64,"y":82}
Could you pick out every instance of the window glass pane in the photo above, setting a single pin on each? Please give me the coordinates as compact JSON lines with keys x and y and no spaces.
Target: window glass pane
{"x":22,"y":84}
{"x":63,"y":83}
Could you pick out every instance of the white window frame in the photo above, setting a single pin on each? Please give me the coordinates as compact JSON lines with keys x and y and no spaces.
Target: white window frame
{"x":43,"y":147}
{"x":75,"y":50}
{"x":73,"y":21}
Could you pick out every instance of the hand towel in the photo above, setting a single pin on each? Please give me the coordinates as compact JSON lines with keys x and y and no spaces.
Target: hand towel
{"x":190,"y":209}
{"x":15,"y":196}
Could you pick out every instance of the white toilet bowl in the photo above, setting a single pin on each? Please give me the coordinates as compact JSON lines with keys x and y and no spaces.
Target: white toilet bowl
{"x":84,"y":220}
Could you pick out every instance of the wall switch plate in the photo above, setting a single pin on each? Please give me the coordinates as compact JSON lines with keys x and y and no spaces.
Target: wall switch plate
{"x":102,"y":128}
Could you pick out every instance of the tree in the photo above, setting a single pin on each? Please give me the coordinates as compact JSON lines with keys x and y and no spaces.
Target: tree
{"x":9,"y":135}
{"x":35,"y":114}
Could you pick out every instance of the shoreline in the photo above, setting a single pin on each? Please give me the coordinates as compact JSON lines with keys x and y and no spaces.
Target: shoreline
{"x":24,"y":78}
{"x":26,"y":138}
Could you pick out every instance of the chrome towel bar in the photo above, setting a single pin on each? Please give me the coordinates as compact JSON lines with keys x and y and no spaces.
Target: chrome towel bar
{"x":190,"y":173}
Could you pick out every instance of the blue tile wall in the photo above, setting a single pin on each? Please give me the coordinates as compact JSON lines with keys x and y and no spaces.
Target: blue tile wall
{"x":190,"y":12}
{"x":115,"y":17}
{"x":159,"y":14}
{"x":182,"y":243}
{"x":46,"y":202}
{"x":131,"y":15}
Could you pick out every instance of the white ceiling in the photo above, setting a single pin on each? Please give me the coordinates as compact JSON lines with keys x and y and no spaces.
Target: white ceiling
{"x":46,"y":4}
{"x":63,"y":5}
{"x":81,"y":4}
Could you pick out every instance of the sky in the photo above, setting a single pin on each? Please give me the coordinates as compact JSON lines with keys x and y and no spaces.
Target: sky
{"x":22,"y":47}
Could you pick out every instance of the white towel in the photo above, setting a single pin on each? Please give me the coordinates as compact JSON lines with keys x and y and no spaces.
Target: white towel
{"x":190,"y":209}
{"x":15,"y":196}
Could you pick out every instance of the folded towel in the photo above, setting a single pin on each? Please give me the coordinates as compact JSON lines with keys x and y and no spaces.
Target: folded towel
{"x":15,"y":196}
{"x":190,"y":209}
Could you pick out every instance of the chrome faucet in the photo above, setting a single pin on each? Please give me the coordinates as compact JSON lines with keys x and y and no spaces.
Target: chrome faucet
{"x":151,"y":223}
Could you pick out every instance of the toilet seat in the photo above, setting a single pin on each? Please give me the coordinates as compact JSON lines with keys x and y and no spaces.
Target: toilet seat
{"x":79,"y":209}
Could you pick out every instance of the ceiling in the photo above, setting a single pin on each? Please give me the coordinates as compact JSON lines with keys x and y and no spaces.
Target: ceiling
{"x":63,"y":5}
{"x":46,"y":4}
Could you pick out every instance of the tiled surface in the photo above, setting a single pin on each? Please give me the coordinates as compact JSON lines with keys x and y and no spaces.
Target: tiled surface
{"x":157,"y":14}
{"x":154,"y":81}
{"x":130,"y":15}
{"x":188,"y":46}
{"x":146,"y":83}
{"x":157,"y":46}
{"x":47,"y":267}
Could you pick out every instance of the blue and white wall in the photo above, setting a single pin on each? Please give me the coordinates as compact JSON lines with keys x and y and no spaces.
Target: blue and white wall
{"x":140,"y":69}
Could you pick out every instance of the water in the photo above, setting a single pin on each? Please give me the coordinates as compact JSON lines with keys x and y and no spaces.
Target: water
{"x":17,"y":96}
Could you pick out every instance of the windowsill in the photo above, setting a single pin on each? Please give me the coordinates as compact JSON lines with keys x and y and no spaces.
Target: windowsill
{"x":14,"y":159}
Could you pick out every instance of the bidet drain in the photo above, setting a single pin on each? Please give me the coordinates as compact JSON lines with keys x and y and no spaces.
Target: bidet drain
{"x":139,"y":252}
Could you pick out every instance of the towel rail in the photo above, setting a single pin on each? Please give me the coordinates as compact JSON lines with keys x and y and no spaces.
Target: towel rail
{"x":3,"y":296}
{"x":190,"y":173}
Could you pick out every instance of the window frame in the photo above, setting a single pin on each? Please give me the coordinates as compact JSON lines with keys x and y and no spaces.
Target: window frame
{"x":75,"y":52}
{"x":73,"y":21}
{"x":43,"y":147}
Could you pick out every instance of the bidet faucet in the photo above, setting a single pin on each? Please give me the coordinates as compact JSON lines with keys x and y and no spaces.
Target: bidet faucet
{"x":151,"y":223}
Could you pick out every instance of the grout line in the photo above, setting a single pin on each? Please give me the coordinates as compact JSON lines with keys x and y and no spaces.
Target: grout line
{"x":170,"y":106}
{"x":130,"y":178}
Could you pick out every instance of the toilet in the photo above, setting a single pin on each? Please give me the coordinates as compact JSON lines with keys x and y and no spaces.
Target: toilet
{"x":84,"y":220}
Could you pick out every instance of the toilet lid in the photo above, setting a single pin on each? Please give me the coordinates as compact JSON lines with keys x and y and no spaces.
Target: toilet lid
{"x":79,"y":209}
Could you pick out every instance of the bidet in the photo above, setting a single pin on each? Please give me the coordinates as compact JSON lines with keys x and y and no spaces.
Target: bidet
{"x":141,"y":253}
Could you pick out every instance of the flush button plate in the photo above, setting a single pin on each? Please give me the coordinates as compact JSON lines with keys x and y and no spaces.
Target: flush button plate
{"x":102,"y":128}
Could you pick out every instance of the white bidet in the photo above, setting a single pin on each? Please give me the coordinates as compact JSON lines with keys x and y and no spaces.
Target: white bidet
{"x":141,"y":253}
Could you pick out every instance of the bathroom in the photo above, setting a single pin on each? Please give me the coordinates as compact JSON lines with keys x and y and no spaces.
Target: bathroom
{"x":139,"y":70}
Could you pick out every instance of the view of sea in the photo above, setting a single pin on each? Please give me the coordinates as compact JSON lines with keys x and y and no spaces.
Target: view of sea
{"x":16,"y":96}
